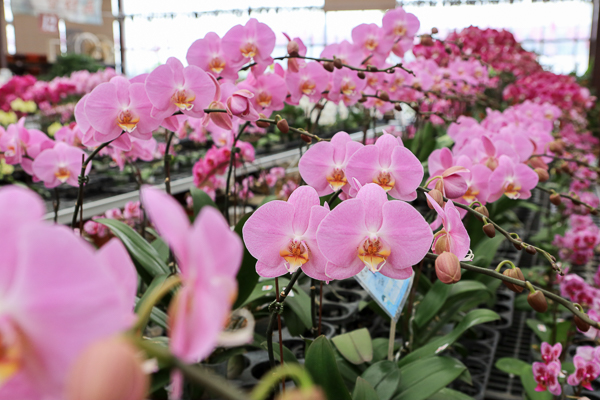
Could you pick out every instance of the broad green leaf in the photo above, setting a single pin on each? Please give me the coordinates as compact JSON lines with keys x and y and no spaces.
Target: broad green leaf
{"x":466,"y":286}
{"x":322,"y":367}
{"x":529,"y":384}
{"x":355,"y":346}
{"x":424,"y":378}
{"x":384,"y":376}
{"x":562,"y":332}
{"x":156,"y":282}
{"x":432,"y":302}
{"x":486,"y":251}
{"x":473,"y":318}
{"x":146,"y":259}
{"x":201,"y":199}
{"x":246,"y":276}
{"x":380,"y":348}
{"x":569,"y":367}
{"x":161,"y":248}
{"x":300,"y":304}
{"x":540,"y":329}
{"x":512,"y":365}
{"x":288,"y":356}
{"x":364,"y":391}
{"x":450,"y":394}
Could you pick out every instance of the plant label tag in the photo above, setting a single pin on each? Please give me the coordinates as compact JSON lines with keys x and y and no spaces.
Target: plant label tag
{"x":390,"y":294}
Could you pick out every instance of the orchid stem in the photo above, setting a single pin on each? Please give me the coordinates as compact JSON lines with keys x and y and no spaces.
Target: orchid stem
{"x":279,"y":331}
{"x":574,"y":308}
{"x":56,"y":204}
{"x":82,"y":179}
{"x":275,"y":309}
{"x":320,"y":308}
{"x":230,"y":169}
{"x":167,"y":163}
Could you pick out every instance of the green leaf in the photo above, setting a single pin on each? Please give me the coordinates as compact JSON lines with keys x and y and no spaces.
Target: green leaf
{"x":246,"y":276}
{"x":466,"y":286}
{"x":473,"y":318}
{"x":161,"y":248}
{"x":322,"y":367}
{"x":201,"y":199}
{"x":569,"y":367}
{"x":288,"y":356}
{"x":300,"y":304}
{"x":562,"y":332}
{"x":424,"y":378}
{"x":512,"y":365}
{"x":146,"y":259}
{"x":380,"y":348}
{"x":540,"y":329}
{"x":432,"y":302}
{"x":364,"y":391}
{"x":355,"y":346}
{"x":486,"y":251}
{"x":384,"y":376}
{"x":450,"y":394}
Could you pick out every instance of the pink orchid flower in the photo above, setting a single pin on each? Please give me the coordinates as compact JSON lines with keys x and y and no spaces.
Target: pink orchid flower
{"x":589,"y":353}
{"x":311,"y":81}
{"x":70,"y":134}
{"x":388,"y":164}
{"x":546,"y":377}
{"x":477,"y":182}
{"x":13,"y":142}
{"x":209,"y":256}
{"x":372,"y":40}
{"x":208,"y":54}
{"x":295,"y":47}
{"x":585,"y":373}
{"x":254,"y":40}
{"x":514,"y":181}
{"x":551,"y":353}
{"x":453,"y":237}
{"x":399,"y":24}
{"x":61,"y":164}
{"x":364,"y":231}
{"x":171,"y":87}
{"x":119,"y":106}
{"x":323,"y":166}
{"x":282,"y":235}
{"x":347,"y":52}
{"x":44,"y":327}
{"x":269,"y":92}
{"x":346,"y":86}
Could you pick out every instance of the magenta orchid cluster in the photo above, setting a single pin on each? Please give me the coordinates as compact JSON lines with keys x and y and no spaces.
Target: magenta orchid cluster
{"x":498,"y":48}
{"x":49,"y":94}
{"x":575,"y":288}
{"x":548,"y":372}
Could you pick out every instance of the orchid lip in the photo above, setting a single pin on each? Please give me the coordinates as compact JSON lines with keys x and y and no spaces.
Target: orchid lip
{"x":374,"y":253}
{"x":337,"y":179}
{"x":385,"y":180}
{"x":127,"y":121}
{"x":296,"y":253}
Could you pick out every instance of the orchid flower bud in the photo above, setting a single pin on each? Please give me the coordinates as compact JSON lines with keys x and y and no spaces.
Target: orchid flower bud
{"x":537,"y":301}
{"x":239,"y":104}
{"x":109,"y":369}
{"x":489,"y":230}
{"x":262,"y":124}
{"x":516,"y":274}
{"x":283,"y":126}
{"x":555,"y":199}
{"x":542,"y":174}
{"x":221,"y":119}
{"x":447,"y":268}
{"x":293,"y":48}
{"x":437,"y":196}
{"x":581,"y":324}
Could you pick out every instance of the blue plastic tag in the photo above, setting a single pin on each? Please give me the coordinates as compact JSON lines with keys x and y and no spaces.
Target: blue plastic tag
{"x":390,"y":294}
